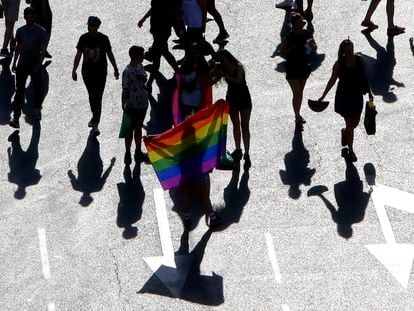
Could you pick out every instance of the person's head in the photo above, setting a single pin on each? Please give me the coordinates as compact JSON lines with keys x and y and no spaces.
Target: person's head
{"x":93,"y":23}
{"x":194,"y":59}
{"x":29,"y":15}
{"x":297,"y":21}
{"x":346,"y":49}
{"x":136,"y":53}
{"x":225,"y":58}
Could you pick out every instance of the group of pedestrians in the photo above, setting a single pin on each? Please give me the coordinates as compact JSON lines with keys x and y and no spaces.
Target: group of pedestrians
{"x":201,"y":67}
{"x":299,"y":45}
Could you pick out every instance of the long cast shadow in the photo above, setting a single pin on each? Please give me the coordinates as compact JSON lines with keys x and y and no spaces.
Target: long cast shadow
{"x":200,"y":289}
{"x":160,"y":113}
{"x":351,"y":200}
{"x":28,"y":107}
{"x":131,"y":199}
{"x":380,"y":70}
{"x":297,"y":172}
{"x":7,"y":88}
{"x":22,"y":164}
{"x":236,"y":195}
{"x":90,"y":167}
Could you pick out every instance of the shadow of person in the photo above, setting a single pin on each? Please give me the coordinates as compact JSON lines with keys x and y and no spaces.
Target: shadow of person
{"x":350,"y":198}
{"x":28,"y":108}
{"x":236,"y":195}
{"x":380,"y":70}
{"x":197,"y":288}
{"x":131,"y":198}
{"x":296,"y":162}
{"x":90,"y":167}
{"x":161,"y":112}
{"x":22,"y":164}
{"x":411,"y":40}
{"x":286,"y":28}
{"x":7,"y":88}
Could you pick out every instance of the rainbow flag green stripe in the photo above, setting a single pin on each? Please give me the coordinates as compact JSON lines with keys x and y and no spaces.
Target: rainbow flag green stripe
{"x":190,"y":149}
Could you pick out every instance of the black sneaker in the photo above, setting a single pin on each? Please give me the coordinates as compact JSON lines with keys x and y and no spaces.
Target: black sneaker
{"x":140,"y":156}
{"x":222,"y":36}
{"x":14,"y":123}
{"x":247,"y":162}
{"x":127,"y":158}
{"x":5,"y":53}
{"x":47,"y":55}
{"x":237,"y":155}
{"x":214,"y":221}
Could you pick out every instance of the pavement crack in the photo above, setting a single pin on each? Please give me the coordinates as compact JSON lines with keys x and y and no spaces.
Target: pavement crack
{"x":116,"y":270}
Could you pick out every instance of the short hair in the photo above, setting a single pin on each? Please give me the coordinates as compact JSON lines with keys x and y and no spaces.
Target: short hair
{"x":295,"y":17}
{"x":29,"y":11}
{"x":135,"y":51}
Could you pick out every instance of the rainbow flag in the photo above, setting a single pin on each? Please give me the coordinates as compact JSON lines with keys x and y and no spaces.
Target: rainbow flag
{"x":190,"y":149}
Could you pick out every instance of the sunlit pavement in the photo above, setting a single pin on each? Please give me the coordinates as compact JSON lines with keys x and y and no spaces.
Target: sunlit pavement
{"x":303,"y":230}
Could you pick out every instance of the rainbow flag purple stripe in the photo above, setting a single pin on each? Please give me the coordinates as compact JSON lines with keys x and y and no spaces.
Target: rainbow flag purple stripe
{"x":192,"y":148}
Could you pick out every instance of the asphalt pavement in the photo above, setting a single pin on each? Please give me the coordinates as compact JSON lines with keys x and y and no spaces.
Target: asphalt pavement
{"x":304,"y":229}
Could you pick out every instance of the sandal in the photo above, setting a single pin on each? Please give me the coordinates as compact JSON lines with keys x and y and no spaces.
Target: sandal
{"x":396,"y":30}
{"x":369,"y":25}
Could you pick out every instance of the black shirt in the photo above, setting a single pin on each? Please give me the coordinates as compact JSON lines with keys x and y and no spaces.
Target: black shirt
{"x":94,"y":48}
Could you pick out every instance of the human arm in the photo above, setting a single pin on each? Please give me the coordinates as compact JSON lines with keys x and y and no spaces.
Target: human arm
{"x":124,"y":97}
{"x":142,"y":20}
{"x":113,"y":63}
{"x":17,"y":52}
{"x":331,"y":82}
{"x":76,"y":62}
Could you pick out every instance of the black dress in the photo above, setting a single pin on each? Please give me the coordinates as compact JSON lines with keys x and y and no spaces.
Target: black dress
{"x":297,"y":61}
{"x":238,"y":95}
{"x":352,"y":85}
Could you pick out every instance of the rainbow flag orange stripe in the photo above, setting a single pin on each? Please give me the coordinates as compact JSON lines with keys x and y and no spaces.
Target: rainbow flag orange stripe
{"x":190,"y":149}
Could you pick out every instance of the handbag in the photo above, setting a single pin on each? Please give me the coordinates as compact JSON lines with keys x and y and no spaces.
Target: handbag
{"x":369,"y":118}
{"x":126,"y":125}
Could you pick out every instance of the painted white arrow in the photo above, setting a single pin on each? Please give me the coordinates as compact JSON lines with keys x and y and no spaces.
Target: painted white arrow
{"x":170,"y":269}
{"x":397,"y":258}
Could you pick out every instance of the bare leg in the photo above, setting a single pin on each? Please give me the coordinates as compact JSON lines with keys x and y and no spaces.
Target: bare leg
{"x":245,"y":129}
{"x":351,"y":124}
{"x":297,"y":87}
{"x":234,"y":116}
{"x":371,"y":9}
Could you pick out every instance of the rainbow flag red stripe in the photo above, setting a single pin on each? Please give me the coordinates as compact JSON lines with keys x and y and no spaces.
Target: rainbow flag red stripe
{"x":192,"y":148}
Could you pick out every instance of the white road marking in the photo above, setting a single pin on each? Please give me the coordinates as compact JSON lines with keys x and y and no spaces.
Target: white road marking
{"x":272,"y":256}
{"x":51,"y":307}
{"x":43,"y":253}
{"x":285,"y":308}
{"x":379,"y":203}
{"x":163,"y":225}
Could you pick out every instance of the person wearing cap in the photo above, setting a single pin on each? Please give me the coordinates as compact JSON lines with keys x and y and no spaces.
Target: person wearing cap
{"x":30,"y":51}
{"x":95,"y":47}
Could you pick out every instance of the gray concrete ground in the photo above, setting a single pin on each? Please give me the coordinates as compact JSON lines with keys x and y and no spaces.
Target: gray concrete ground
{"x":62,"y":249}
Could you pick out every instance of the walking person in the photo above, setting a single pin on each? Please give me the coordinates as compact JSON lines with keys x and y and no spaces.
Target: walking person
{"x":296,"y":48}
{"x":43,"y":17}
{"x":11,"y":15}
{"x":194,"y":15}
{"x":392,"y":29}
{"x":212,"y":10}
{"x":240,"y":103}
{"x":30,"y":50}
{"x":134,"y":103}
{"x":95,"y":47}
{"x":162,"y":17}
{"x":353,"y":83}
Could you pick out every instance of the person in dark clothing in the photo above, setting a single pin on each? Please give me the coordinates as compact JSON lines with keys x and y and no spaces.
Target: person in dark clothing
{"x":296,"y":48}
{"x":30,"y":50}
{"x":163,"y":14}
{"x":95,"y":47}
{"x":353,"y":83}
{"x":212,"y":10}
{"x":43,"y":17}
{"x":240,"y":102}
